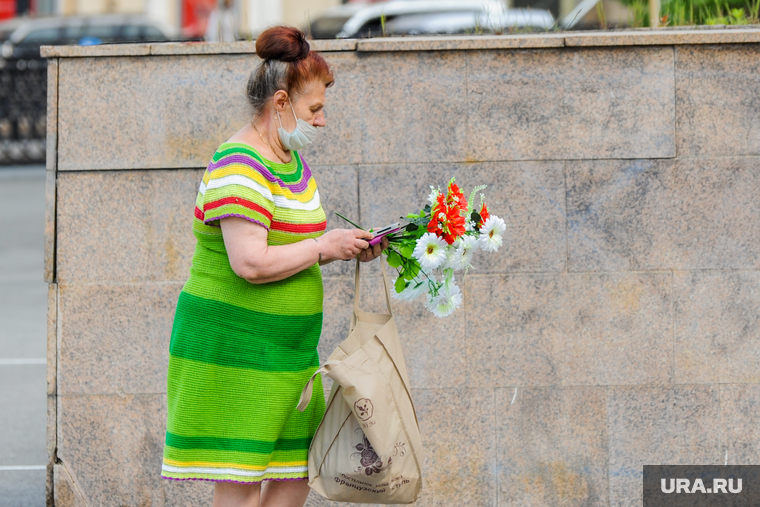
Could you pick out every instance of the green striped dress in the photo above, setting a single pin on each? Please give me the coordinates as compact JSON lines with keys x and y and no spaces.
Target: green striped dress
{"x":240,"y":353}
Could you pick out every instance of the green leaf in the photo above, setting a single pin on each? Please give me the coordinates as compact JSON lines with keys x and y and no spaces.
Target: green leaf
{"x":394,"y":259}
{"x":400,"y":284}
{"x":476,"y":217}
{"x":407,"y":249}
{"x":411,"y":269}
{"x":412,"y":227}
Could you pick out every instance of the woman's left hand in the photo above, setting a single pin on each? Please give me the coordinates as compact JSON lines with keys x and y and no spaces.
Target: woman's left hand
{"x":373,"y":251}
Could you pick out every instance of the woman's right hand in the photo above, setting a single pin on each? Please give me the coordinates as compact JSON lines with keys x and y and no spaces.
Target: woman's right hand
{"x":344,"y":244}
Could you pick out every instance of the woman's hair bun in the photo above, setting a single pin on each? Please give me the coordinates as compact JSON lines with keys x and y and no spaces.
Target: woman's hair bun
{"x":283,"y":43}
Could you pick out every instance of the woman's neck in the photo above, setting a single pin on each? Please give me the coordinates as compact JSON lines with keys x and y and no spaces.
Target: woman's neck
{"x":265,"y":129}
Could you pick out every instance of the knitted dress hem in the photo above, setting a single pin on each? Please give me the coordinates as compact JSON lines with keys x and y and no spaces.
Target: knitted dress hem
{"x":236,"y":482}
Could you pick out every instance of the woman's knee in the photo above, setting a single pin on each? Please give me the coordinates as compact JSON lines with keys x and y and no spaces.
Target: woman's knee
{"x":234,"y":494}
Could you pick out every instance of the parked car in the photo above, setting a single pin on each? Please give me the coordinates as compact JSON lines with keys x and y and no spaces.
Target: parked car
{"x":27,"y":37}
{"x":426,"y":17}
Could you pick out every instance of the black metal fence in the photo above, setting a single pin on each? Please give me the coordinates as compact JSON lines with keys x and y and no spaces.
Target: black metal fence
{"x":23,"y":104}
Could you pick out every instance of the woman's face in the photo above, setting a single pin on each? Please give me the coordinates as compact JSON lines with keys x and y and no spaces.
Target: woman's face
{"x":309,"y":106}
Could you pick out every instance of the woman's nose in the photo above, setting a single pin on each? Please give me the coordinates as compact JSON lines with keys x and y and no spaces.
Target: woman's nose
{"x":319,"y":120}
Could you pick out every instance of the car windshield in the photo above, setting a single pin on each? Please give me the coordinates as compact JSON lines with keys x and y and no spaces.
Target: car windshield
{"x":328,"y":27}
{"x":104,"y":33}
{"x":42,"y":36}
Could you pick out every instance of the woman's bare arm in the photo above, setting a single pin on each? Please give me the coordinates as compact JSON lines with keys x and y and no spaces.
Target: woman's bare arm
{"x":256,"y":261}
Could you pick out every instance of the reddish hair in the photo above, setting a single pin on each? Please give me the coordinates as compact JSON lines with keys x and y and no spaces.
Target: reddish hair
{"x":289,"y":45}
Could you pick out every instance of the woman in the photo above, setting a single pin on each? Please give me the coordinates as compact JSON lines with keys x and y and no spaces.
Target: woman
{"x":248,"y":319}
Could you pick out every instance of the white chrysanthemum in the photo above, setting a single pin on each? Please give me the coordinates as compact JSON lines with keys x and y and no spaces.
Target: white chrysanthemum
{"x":430,"y":251}
{"x":465,"y":247}
{"x":448,"y":300}
{"x":491,"y":234}
{"x":411,"y":292}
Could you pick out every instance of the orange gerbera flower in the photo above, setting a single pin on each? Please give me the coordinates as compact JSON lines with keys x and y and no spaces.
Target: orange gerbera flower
{"x":484,"y":214}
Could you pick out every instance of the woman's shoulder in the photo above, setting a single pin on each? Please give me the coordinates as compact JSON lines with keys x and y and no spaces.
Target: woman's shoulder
{"x":240,"y":158}
{"x":232,"y":152}
{"x":240,"y":151}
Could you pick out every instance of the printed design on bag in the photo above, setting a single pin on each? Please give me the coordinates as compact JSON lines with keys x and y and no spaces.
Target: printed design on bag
{"x":369,"y":461}
{"x":364,"y":409}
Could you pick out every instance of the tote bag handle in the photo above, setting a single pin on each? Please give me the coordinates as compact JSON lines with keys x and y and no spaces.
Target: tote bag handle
{"x":385,"y":287}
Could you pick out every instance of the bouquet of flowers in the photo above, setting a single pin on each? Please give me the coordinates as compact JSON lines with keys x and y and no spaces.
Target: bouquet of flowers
{"x":437,"y":242}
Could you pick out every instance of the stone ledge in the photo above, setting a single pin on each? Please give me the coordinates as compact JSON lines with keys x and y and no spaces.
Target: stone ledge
{"x":461,"y":42}
{"x":664,"y":37}
{"x":180,"y":48}
{"x":634,"y":37}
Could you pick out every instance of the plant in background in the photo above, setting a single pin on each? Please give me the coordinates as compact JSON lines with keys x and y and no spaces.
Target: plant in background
{"x":437,"y":242}
{"x":697,"y":12}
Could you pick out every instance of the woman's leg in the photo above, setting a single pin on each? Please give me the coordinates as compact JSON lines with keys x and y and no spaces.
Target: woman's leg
{"x":284,"y":493}
{"x":233,"y":494}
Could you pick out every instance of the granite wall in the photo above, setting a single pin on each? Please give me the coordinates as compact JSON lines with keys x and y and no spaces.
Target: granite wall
{"x":618,"y":326}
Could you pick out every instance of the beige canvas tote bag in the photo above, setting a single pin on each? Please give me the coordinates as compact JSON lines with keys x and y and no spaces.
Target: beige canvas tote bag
{"x":367,"y":448}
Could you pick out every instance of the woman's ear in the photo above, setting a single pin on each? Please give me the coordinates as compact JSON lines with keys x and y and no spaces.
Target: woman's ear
{"x":280,"y":100}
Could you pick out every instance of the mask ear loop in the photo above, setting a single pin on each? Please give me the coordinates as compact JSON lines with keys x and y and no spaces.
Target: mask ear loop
{"x":292,"y":109}
{"x":279,"y":119}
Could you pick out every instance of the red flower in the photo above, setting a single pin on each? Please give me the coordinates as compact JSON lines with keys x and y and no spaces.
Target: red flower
{"x":483,"y":215}
{"x":455,"y":197}
{"x":446,"y":219}
{"x":455,"y":225}
{"x":447,"y":222}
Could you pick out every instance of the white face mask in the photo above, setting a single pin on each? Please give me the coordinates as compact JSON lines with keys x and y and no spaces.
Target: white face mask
{"x":301,"y":137}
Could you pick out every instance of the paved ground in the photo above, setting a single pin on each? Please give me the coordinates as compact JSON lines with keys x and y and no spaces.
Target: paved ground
{"x":23,"y":302}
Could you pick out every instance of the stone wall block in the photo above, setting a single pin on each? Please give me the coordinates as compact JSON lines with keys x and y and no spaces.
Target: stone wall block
{"x":126,"y":226}
{"x":529,"y":196}
{"x":512,"y":323}
{"x":412,"y":106}
{"x":716,"y":216}
{"x":717,"y":334}
{"x":51,"y":159}
{"x":178,"y":110}
{"x":534,"y":330}
{"x":570,"y":104}
{"x":48,"y":274}
{"x":51,"y":119}
{"x":738,"y":403}
{"x":552,"y":446}
{"x":50,"y":445}
{"x":65,"y":492}
{"x":652,"y":215}
{"x":338,"y":191}
{"x":115,"y":446}
{"x":661,"y":425}
{"x":342,"y":139}
{"x":718,"y":100}
{"x":458,"y":428}
{"x":619,"y":330}
{"x":618,"y":215}
{"x":52,"y":338}
{"x":115,"y":338}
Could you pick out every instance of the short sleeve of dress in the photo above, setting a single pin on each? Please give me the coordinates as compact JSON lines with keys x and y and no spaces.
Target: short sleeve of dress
{"x":234,"y":186}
